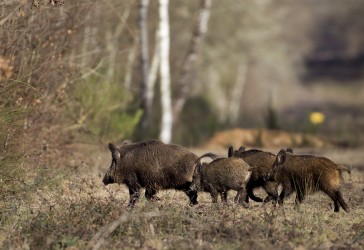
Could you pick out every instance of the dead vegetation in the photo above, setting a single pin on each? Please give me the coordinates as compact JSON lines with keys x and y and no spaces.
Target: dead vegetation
{"x":68,"y":75}
{"x":264,"y":138}
{"x":75,"y":210}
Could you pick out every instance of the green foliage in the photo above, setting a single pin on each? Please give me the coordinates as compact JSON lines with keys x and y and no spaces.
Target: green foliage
{"x":101,"y":110}
{"x":197,"y":122}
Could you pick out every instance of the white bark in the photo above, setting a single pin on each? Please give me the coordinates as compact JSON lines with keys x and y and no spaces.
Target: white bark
{"x":129,"y":68}
{"x":237,"y":92}
{"x":144,"y":61}
{"x":154,"y":67}
{"x":167,"y":118}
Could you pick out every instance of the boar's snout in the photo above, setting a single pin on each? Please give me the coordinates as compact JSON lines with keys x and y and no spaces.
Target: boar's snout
{"x":107,"y":180}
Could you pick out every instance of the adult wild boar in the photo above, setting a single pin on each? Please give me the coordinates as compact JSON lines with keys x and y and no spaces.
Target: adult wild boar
{"x":262,"y":162}
{"x":152,"y":165}
{"x":305,"y":174}
{"x":220,"y":176}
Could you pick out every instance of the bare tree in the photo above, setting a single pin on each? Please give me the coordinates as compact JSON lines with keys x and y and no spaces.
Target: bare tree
{"x":237,"y":91}
{"x":191,"y":58}
{"x":165,"y":81}
{"x":154,"y":67}
{"x":144,"y":61}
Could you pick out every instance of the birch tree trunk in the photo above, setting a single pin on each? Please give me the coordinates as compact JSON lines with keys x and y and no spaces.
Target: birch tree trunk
{"x":154,"y":67}
{"x":191,"y":58}
{"x":129,"y":71}
{"x":144,"y":61}
{"x":165,"y":81}
{"x":237,"y":92}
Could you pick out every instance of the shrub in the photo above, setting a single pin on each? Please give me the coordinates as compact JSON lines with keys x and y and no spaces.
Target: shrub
{"x":99,"y":108}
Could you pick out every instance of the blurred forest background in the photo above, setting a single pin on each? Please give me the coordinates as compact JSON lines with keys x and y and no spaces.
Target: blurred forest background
{"x":77,"y":72}
{"x":71,"y":70}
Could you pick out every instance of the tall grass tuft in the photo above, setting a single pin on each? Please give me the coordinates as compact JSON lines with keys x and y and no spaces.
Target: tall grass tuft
{"x":13,"y":189}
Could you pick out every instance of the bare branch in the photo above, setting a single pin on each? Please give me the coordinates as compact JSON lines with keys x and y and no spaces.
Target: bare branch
{"x":99,"y":238}
{"x":191,"y":58}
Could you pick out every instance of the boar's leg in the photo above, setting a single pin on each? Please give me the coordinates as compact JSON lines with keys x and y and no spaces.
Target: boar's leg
{"x":214,"y":193}
{"x":338,"y":200}
{"x":249,"y":188}
{"x":241,"y":197}
{"x":192,"y":194}
{"x":150,"y":194}
{"x":286,"y":192}
{"x":223,"y":195}
{"x":300,"y":196}
{"x":341,"y":201}
{"x":134,"y":193}
{"x":272,"y":190}
{"x":270,"y":198}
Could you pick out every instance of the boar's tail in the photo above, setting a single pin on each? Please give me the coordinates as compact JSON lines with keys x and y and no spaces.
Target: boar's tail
{"x":211,"y":155}
{"x":343,"y":167}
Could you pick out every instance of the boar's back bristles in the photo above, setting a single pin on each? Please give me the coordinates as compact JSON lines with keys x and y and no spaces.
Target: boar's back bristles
{"x":220,"y":176}
{"x":262,"y":162}
{"x":152,"y":165}
{"x":305,"y":174}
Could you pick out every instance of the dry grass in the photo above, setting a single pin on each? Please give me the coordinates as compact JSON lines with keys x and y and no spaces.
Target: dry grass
{"x":77,"y":212}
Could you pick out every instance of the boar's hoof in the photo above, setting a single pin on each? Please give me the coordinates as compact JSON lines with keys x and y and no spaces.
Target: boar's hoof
{"x":154,"y":199}
{"x":193,"y":203}
{"x":245,"y":204}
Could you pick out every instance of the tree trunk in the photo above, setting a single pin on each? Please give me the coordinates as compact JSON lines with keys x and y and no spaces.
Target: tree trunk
{"x":165,"y":88}
{"x":129,"y":71}
{"x":237,"y":92}
{"x":191,"y":58}
{"x":154,"y":67}
{"x":144,"y":61}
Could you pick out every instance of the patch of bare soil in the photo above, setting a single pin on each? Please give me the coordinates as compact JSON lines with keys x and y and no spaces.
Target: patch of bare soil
{"x":264,"y":138}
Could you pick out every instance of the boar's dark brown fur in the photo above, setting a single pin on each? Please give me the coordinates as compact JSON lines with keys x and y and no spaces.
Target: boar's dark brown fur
{"x":220,"y":176}
{"x":262,"y":163}
{"x":306,"y":174}
{"x":152,"y":165}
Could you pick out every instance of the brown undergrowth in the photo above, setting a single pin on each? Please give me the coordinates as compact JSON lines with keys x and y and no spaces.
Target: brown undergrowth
{"x":75,"y":211}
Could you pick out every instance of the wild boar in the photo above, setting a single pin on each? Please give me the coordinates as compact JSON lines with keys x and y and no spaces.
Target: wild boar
{"x":220,"y":176}
{"x":305,"y":174}
{"x":262,"y":162}
{"x":152,"y":165}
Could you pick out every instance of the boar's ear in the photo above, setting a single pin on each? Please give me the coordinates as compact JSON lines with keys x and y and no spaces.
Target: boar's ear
{"x":231,"y":151}
{"x":289,"y":150}
{"x":281,"y":157}
{"x":114,"y":152}
{"x":242,"y":148}
{"x":198,"y":168}
{"x":126,"y":142}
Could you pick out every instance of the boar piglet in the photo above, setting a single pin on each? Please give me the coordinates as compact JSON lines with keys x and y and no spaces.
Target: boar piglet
{"x":220,"y":176}
{"x":152,"y":165}
{"x":262,"y":162}
{"x":305,"y":174}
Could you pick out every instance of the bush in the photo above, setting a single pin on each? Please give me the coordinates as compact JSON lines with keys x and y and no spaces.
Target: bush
{"x":99,"y":108}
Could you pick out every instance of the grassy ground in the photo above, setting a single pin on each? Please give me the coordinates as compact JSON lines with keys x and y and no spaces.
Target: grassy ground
{"x":75,"y":211}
